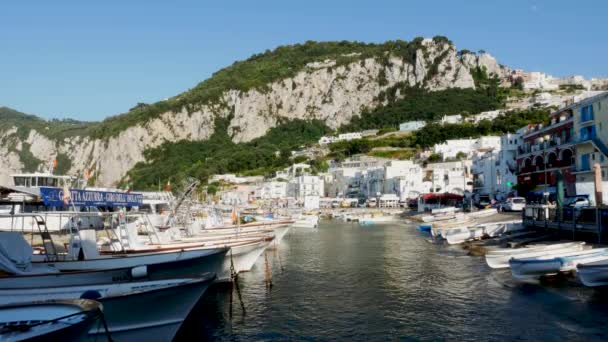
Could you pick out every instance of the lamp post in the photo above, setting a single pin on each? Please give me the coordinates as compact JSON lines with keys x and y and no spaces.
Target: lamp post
{"x":544,"y":141}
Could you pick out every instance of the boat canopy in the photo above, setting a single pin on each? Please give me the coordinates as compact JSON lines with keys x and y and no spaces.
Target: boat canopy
{"x":445,"y":196}
{"x":88,"y":198}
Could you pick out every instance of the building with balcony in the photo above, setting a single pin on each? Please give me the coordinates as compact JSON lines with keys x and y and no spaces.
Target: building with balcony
{"x":545,"y":149}
{"x":494,"y":169}
{"x":591,"y":140}
{"x":453,"y":177}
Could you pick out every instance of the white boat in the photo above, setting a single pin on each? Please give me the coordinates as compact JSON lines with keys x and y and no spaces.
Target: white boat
{"x":482,"y":213}
{"x":456,"y":236}
{"x":67,"y":320}
{"x":552,"y":264}
{"x":500,"y":258}
{"x":593,"y":274}
{"x":42,"y":194}
{"x":439,"y":214}
{"x":495,"y":229}
{"x":306,"y":221}
{"x":137,"y":311}
{"x":376,"y":218}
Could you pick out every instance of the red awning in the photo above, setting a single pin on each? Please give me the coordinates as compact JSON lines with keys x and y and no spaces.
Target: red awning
{"x":445,"y":196}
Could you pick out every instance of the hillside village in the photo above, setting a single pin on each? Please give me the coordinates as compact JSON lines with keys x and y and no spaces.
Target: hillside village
{"x":523,"y":163}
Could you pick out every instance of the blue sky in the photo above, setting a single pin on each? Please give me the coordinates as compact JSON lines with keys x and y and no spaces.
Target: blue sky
{"x":88,"y":60}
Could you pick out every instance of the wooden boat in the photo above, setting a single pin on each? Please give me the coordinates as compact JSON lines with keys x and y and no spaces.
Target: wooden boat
{"x":66,"y":320}
{"x":500,"y":258}
{"x":552,"y":264}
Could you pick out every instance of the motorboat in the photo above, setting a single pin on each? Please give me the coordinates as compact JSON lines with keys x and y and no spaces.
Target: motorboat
{"x":57,"y":320}
{"x":52,"y":199}
{"x":135,"y":311}
{"x":306,"y":221}
{"x":534,"y":267}
{"x":500,"y":258}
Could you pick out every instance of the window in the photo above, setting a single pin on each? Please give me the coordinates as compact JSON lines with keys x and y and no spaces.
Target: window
{"x":585,"y":162}
{"x":587,"y":113}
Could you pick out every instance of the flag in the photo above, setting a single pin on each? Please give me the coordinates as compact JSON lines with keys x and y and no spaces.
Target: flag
{"x":168,"y":186}
{"x":54,"y":163}
{"x":87,"y":174}
{"x":234,"y":216}
{"x":67,"y":195}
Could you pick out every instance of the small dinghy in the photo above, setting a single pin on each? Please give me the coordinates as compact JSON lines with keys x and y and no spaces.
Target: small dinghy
{"x":65,"y":320}
{"x":306,"y":221}
{"x":552,"y":264}
{"x":500,"y":258}
{"x":593,"y":274}
{"x":459,"y":235}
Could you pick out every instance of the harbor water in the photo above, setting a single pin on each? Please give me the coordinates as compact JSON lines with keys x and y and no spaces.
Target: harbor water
{"x":387,"y":282}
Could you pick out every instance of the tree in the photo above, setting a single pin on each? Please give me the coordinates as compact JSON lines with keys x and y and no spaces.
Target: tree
{"x":434,"y":158}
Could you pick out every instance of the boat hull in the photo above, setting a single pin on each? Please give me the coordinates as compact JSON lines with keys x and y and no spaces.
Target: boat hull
{"x":151,"y":315}
{"x":593,"y":274}
{"x":501,"y":259}
{"x":159,"y":265}
{"x":243,"y":258}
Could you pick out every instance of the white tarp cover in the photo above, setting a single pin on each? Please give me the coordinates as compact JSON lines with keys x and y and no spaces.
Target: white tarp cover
{"x":15,"y":253}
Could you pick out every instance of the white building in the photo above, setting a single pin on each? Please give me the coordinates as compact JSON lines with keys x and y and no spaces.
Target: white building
{"x":411,"y":126}
{"x":489,"y":115}
{"x":294,"y":170}
{"x":234,"y":179}
{"x":450,"y":148}
{"x":350,"y":177}
{"x":341,"y":137}
{"x":539,"y":80}
{"x":403,"y":178}
{"x":302,"y":186}
{"x":494,"y":166}
{"x":273,"y":190}
{"x":451,"y":119}
{"x":453,"y":177}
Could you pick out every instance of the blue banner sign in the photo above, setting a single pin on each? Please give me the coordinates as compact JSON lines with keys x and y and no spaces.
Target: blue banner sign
{"x":87,"y":198}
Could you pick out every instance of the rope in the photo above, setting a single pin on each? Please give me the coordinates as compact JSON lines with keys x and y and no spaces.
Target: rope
{"x":25,"y":327}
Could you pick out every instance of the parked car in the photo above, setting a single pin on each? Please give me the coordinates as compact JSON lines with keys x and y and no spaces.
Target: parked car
{"x":514,"y":204}
{"x":578,"y":202}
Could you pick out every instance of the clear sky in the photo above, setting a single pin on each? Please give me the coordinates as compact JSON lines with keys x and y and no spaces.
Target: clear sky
{"x":88,"y":60}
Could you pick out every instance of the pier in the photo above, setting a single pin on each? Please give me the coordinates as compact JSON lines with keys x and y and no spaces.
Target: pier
{"x":588,"y":223}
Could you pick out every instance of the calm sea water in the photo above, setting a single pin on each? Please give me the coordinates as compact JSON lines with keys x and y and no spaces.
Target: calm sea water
{"x":386,"y":282}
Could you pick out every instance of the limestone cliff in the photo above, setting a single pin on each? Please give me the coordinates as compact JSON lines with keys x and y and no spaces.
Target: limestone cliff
{"x":324,"y":89}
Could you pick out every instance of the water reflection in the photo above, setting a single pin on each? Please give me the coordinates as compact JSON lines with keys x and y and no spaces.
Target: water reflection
{"x":384,"y":282}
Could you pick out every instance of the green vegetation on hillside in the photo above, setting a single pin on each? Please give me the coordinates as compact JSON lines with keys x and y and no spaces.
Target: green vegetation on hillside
{"x":435,"y":133}
{"x":420,"y":104}
{"x":258,"y":71}
{"x":54,"y":129}
{"x":219,"y":154}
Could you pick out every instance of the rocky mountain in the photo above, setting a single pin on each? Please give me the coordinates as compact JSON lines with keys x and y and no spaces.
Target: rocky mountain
{"x":331,"y":82}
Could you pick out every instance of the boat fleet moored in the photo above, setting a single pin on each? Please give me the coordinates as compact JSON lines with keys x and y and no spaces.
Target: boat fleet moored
{"x":136,"y":276}
{"x":506,"y":244}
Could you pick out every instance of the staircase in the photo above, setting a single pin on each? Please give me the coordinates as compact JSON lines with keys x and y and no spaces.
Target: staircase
{"x":600,"y":145}
{"x":47,"y":240}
